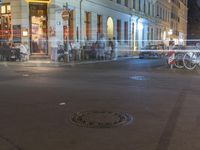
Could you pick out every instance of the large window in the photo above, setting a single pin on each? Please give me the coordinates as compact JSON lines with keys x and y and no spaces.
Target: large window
{"x":152,"y":34}
{"x":126,"y":32}
{"x":87,"y":25}
{"x":134,"y":4}
{"x":126,"y":3}
{"x":119,"y":1}
{"x":5,"y":22}
{"x":99,"y":25}
{"x":110,"y":28}
{"x":71,"y":25}
{"x":140,"y":5}
{"x":119,"y":30}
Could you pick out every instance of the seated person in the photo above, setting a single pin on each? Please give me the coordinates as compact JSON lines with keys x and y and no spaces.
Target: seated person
{"x":23,"y":51}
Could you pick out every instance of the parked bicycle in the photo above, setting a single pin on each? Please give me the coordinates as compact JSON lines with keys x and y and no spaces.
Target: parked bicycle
{"x":191,"y":60}
{"x":178,"y":60}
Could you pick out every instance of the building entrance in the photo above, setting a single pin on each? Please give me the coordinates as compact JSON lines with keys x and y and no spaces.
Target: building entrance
{"x":38,"y":28}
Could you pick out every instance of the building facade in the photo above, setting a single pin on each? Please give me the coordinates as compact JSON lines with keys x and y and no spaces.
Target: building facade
{"x":39,"y":24}
{"x":193,"y":22}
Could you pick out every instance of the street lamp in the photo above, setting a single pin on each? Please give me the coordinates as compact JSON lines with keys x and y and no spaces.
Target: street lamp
{"x":65,"y":16}
{"x":170,"y":32}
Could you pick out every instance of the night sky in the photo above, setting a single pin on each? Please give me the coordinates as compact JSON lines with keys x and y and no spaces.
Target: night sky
{"x":194,"y":19}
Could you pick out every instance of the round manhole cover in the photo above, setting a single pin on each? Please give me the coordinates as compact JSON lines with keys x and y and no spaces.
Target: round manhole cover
{"x":100,"y":119}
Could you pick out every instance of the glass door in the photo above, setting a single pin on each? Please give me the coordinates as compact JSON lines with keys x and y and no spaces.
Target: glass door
{"x":38,"y":28}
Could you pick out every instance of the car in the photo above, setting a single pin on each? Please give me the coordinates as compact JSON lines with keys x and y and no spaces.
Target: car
{"x":151,"y":51}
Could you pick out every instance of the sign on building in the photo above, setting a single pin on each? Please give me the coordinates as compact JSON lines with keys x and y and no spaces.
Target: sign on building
{"x":17,"y":34}
{"x":65,"y":15}
{"x":38,"y":1}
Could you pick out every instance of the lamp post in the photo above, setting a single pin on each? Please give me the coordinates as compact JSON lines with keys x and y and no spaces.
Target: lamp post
{"x":137,"y":34}
{"x":65,"y":16}
{"x":170,"y":33}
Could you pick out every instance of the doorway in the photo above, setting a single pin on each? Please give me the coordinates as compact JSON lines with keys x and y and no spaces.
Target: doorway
{"x":38,"y":28}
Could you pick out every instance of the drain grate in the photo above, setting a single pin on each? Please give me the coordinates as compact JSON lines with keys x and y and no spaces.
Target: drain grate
{"x":100,"y":119}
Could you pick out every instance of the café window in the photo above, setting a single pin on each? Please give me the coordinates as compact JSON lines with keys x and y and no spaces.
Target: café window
{"x":5,"y":22}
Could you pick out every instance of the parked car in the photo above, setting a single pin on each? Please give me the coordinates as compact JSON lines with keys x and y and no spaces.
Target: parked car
{"x":152,"y":51}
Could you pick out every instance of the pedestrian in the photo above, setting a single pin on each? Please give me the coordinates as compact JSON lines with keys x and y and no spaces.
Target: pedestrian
{"x":93,"y":51}
{"x":110,"y":45}
{"x":97,"y":50}
{"x":102,"y":46}
{"x":115,"y":49}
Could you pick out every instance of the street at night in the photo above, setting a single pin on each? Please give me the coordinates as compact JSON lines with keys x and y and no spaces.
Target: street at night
{"x":99,"y":74}
{"x":37,"y":103}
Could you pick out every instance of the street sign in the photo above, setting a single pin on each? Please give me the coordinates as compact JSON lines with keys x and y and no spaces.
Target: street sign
{"x":65,"y":15}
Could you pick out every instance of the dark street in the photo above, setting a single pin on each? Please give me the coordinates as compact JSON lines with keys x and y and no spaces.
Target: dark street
{"x":36,"y":104}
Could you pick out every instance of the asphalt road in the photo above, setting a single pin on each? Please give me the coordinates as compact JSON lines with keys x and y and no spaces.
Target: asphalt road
{"x":36,"y":103}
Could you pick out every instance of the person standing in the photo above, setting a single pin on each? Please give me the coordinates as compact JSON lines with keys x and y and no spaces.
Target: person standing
{"x":102,"y":46}
{"x":110,"y":45}
{"x":115,"y":49}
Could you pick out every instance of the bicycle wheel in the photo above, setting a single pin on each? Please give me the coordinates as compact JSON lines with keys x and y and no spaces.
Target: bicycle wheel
{"x":179,"y":60}
{"x":188,"y":61}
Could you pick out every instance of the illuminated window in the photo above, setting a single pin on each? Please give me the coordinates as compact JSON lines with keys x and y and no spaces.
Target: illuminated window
{"x":8,"y":9}
{"x":99,"y":25}
{"x":5,"y":22}
{"x":126,"y":32}
{"x":110,"y":27}
{"x":3,"y":9}
{"x":119,"y":30}
{"x":87,"y":25}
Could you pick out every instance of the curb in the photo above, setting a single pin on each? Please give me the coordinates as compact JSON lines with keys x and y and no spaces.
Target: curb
{"x":57,"y":64}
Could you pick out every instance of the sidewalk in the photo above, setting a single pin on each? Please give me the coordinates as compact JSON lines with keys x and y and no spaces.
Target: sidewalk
{"x":48,"y":63}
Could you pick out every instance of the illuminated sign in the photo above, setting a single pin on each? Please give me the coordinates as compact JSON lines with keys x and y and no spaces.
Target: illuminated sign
{"x":38,"y":1}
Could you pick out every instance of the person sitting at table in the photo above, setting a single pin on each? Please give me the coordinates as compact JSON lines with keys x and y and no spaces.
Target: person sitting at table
{"x":6,"y":51}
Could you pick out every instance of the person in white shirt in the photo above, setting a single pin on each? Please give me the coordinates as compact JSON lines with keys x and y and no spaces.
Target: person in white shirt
{"x":115,"y":48}
{"x":24,"y":54}
{"x":101,"y":47}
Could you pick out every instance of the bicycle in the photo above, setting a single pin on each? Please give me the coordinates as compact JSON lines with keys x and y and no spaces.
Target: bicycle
{"x":191,"y":60}
{"x":178,"y":60}
{"x":179,"y":56}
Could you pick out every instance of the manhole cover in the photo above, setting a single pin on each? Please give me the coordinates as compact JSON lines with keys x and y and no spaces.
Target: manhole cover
{"x":100,"y":119}
{"x":138,"y":78}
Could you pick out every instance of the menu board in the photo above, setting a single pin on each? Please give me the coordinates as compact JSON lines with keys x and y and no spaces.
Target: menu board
{"x":17,"y":34}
